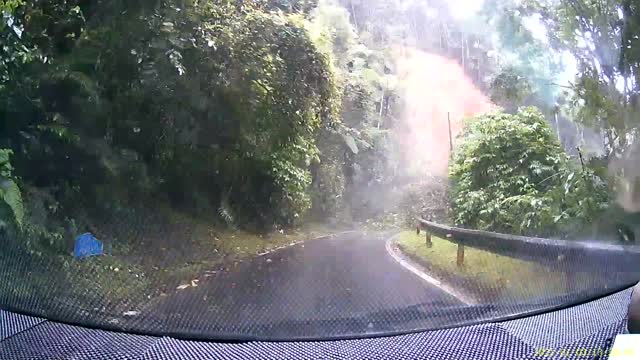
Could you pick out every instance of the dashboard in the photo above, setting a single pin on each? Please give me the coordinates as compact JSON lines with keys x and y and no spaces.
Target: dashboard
{"x":584,"y":331}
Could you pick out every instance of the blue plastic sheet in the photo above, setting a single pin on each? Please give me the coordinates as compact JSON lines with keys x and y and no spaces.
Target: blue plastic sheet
{"x":87,"y":245}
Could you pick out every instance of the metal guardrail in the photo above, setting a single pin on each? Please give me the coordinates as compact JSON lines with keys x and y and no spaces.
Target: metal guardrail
{"x":567,"y":254}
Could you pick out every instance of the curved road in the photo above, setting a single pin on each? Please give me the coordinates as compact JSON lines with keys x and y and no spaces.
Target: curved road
{"x":346,"y":284}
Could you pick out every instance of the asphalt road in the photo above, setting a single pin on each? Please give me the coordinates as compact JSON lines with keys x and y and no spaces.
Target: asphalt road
{"x":347,"y":284}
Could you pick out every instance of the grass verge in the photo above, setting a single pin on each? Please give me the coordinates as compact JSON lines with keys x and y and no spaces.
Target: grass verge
{"x":147,"y":257}
{"x":488,"y":276}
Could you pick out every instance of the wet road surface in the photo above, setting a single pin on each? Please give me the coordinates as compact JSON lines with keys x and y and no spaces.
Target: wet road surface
{"x":346,"y":284}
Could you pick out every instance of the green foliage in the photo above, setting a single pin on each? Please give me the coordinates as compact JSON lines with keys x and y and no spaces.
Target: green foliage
{"x":511,"y":175}
{"x":304,"y":6}
{"x":509,"y":88}
{"x":427,"y":200}
{"x":599,"y":36}
{"x":12,"y":209}
{"x":132,"y":97}
{"x":328,"y":189}
{"x":249,"y":112}
{"x":355,"y":153}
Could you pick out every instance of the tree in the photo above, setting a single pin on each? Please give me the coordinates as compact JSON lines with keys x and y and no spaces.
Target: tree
{"x":510,"y":174}
{"x":509,"y":89}
{"x":133,"y":96}
{"x":11,"y":206}
{"x":352,"y":153}
{"x":598,"y":35}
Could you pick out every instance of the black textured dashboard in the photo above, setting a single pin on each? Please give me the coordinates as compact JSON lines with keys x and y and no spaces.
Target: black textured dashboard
{"x":581,"y":332}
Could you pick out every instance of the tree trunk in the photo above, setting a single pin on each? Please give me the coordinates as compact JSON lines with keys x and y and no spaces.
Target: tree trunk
{"x":381,"y":107}
{"x":463,"y":55}
{"x":415,"y":28}
{"x":353,"y":15}
{"x":555,"y":115}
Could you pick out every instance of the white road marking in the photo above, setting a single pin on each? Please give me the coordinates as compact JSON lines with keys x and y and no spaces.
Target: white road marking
{"x":426,"y":277}
{"x":303,"y":241}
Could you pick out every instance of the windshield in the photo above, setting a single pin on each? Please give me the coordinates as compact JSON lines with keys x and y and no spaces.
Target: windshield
{"x":311,"y":169}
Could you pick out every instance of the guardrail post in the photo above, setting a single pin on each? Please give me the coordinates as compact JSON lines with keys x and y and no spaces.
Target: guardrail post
{"x":460,"y":257}
{"x":569,"y":269}
{"x":570,"y":278}
{"x":428,"y":239}
{"x":564,"y":256}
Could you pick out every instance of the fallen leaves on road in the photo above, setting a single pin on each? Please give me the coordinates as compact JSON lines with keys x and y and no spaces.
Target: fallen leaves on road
{"x":209,"y":273}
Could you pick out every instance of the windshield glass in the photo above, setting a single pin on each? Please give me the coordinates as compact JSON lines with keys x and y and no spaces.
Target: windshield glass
{"x":308,"y":169}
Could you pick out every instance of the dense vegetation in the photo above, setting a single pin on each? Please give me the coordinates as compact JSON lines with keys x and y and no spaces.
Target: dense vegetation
{"x":511,"y":175}
{"x":186,"y":134}
{"x":264,"y":115}
{"x":248,"y":114}
{"x":221,"y":100}
{"x":595,"y":168}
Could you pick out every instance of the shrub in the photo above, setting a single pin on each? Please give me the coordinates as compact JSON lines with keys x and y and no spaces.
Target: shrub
{"x":11,"y":207}
{"x":510,"y":174}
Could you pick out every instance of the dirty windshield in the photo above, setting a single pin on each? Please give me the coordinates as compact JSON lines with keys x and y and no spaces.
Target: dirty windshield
{"x":298,"y":169}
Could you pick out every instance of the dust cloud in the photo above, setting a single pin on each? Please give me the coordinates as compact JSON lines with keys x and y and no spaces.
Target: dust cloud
{"x":433,"y":88}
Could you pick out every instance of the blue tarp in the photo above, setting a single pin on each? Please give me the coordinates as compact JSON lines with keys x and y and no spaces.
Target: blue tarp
{"x":87,"y":245}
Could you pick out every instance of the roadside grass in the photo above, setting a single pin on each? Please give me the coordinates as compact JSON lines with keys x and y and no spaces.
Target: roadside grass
{"x":122,"y":282}
{"x":38,"y":283}
{"x":207,"y":246}
{"x":493,"y":276}
{"x":144,"y":260}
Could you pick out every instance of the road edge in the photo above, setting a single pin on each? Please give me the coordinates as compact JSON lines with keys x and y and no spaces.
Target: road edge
{"x":155,"y":300}
{"x":321,"y":237}
{"x":420,"y":272}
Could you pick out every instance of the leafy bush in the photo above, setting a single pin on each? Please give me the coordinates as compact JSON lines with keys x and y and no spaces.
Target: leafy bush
{"x":426,"y":199}
{"x":24,"y":219}
{"x":509,"y":174}
{"x":11,"y":207}
{"x":208,"y":105}
{"x":328,"y":189}
{"x":509,"y":87}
